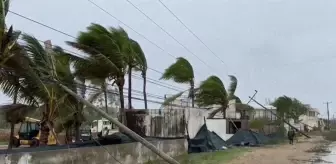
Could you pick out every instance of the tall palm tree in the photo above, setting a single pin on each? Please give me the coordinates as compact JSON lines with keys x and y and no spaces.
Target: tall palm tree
{"x":109,"y":50}
{"x":139,"y":62}
{"x":181,"y":72}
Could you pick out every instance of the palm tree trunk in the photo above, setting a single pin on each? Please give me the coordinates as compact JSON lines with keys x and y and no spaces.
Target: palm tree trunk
{"x":12,"y":124}
{"x":144,"y":90}
{"x":130,"y":87}
{"x":105,"y":97}
{"x":11,"y":137}
{"x":44,"y":126}
{"x":120,"y":83}
{"x":68,"y":135}
{"x":77,"y":124}
{"x":192,"y":93}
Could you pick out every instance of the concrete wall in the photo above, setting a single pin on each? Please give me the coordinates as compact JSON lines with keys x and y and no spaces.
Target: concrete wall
{"x":131,"y":153}
{"x":219,"y":127}
{"x":195,"y":120}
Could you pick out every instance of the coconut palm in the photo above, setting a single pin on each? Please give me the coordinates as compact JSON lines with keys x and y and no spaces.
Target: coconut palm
{"x":48,"y":65}
{"x":138,"y":62}
{"x":181,"y":72}
{"x":8,"y":37}
{"x":212,"y":92}
{"x":109,"y":50}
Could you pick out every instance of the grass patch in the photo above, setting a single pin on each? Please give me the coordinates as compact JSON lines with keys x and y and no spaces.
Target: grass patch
{"x":217,"y":157}
{"x":329,"y":135}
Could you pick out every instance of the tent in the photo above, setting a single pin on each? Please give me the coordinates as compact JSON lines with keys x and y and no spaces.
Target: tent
{"x":248,"y":138}
{"x":205,"y":141}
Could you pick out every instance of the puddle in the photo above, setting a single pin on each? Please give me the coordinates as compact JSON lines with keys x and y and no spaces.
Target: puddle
{"x":327,"y":154}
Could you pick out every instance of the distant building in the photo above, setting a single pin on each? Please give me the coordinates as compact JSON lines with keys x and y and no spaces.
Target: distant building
{"x":260,"y":113}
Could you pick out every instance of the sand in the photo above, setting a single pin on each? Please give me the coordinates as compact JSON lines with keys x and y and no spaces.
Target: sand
{"x":281,"y":154}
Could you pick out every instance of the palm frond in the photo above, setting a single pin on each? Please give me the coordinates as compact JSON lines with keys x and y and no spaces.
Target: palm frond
{"x":211,"y":92}
{"x":180,"y":72}
{"x":232,"y":86}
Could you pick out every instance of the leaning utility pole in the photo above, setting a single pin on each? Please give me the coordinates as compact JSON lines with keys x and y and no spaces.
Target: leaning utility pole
{"x":328,"y":102}
{"x":282,"y":119}
{"x":125,"y":129}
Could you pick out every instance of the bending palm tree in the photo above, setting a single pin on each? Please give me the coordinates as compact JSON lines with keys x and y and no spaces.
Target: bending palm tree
{"x":212,"y":92}
{"x":181,"y":72}
{"x":135,"y":59}
{"x":109,"y":50}
{"x":7,"y":38}
{"x":140,"y":65}
{"x":47,"y":66}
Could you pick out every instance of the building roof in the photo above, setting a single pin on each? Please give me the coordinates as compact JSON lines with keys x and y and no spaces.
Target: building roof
{"x":314,"y":110}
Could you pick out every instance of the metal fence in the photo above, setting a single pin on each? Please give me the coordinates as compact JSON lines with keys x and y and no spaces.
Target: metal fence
{"x":158,"y":123}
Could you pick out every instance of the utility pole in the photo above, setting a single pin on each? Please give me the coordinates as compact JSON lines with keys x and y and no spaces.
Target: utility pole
{"x":328,"y":102}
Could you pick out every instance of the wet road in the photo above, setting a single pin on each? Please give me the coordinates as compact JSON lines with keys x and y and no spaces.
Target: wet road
{"x":329,"y":157}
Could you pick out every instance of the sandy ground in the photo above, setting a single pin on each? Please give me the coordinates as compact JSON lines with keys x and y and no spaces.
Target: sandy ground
{"x":281,"y":154}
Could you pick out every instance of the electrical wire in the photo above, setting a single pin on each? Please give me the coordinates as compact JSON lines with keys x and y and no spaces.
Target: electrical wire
{"x":188,"y":50}
{"x":193,"y":33}
{"x":59,"y":31}
{"x":150,"y":80}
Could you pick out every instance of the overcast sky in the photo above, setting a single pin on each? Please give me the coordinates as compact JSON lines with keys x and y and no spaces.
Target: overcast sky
{"x":276,"y":47}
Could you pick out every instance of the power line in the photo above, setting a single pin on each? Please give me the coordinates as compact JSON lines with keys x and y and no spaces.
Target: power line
{"x":143,"y":36}
{"x":156,"y":25}
{"x":56,"y":30}
{"x":143,"y":13}
{"x":79,"y":55}
{"x":191,"y":32}
{"x":152,"y":81}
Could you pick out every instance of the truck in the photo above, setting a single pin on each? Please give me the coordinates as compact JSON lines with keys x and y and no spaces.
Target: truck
{"x":102,"y":127}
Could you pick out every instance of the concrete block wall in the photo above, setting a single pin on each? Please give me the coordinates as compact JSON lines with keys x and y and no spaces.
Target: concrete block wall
{"x":131,"y":153}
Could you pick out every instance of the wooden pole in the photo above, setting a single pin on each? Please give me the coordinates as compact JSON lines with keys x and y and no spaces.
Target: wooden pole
{"x":123,"y":127}
{"x":282,"y":119}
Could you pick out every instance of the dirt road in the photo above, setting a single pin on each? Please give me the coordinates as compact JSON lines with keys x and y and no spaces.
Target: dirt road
{"x":281,"y":154}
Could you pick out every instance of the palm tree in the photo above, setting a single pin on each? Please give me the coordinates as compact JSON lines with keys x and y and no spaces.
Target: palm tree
{"x":139,"y":62}
{"x":8,"y":37}
{"x":181,"y":72}
{"x":48,"y":65}
{"x":212,"y":92}
{"x":109,"y":50}
{"x":288,"y":107}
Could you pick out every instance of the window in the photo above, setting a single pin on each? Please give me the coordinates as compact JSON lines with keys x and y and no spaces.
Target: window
{"x":94,"y":124}
{"x":24,"y":128}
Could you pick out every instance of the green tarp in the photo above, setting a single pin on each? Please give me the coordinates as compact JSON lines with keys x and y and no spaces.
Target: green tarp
{"x":205,"y":141}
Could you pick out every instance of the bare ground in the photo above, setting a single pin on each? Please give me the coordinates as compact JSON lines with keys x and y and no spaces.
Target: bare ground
{"x":299,"y":153}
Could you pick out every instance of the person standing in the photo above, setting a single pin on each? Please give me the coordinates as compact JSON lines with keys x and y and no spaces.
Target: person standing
{"x":291,"y":135}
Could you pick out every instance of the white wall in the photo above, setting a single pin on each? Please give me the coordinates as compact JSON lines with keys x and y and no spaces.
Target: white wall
{"x":195,"y":120}
{"x":219,"y":127}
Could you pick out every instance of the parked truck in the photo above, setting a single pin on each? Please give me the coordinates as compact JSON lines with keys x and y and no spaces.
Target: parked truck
{"x":102,"y":127}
